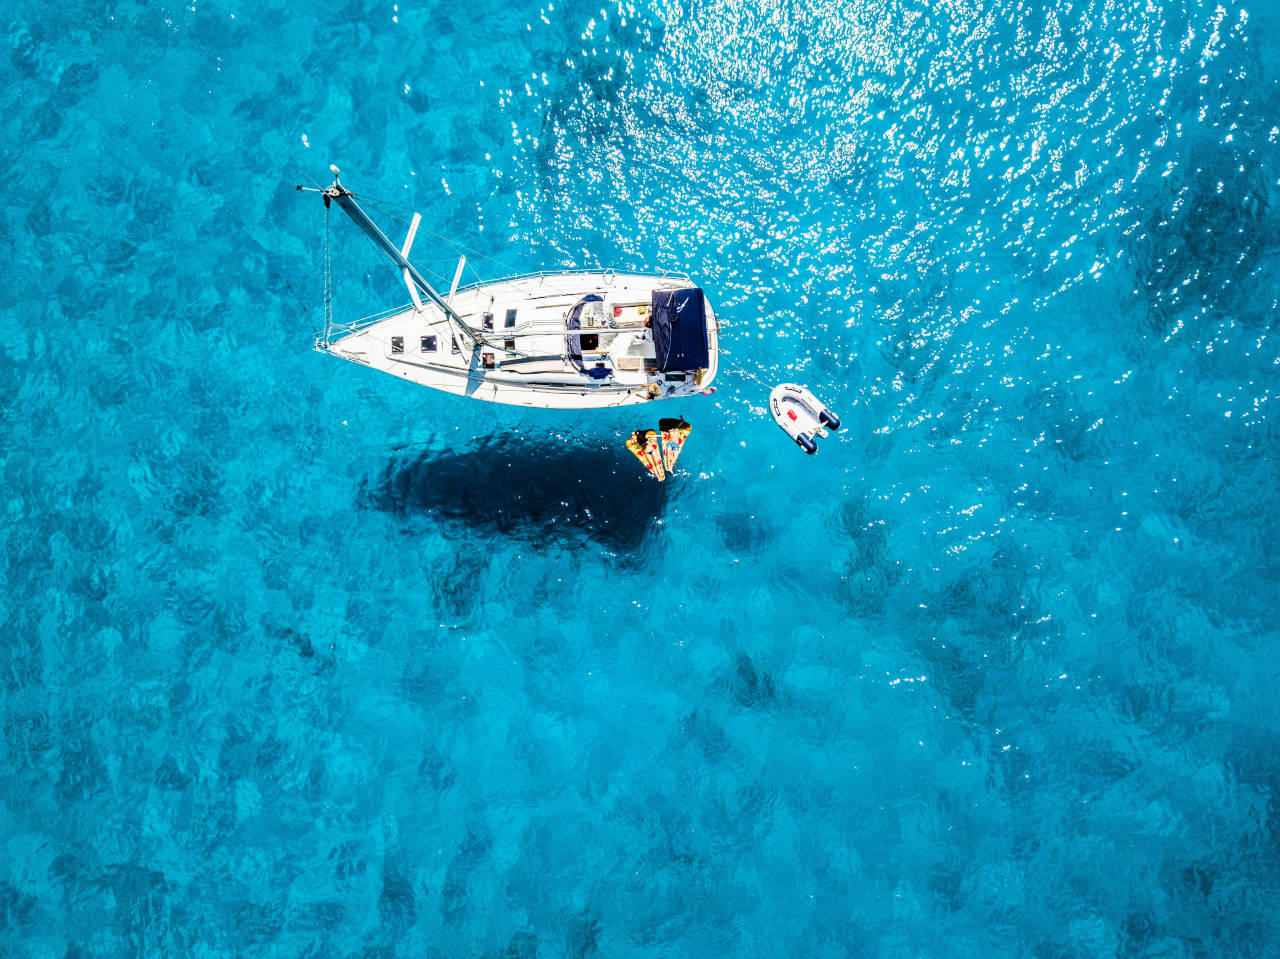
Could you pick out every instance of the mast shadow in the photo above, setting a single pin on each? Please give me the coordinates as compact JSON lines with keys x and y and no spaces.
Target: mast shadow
{"x":539,"y":489}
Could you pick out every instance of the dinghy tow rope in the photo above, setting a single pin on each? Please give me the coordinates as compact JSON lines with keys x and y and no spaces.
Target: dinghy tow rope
{"x":740,"y":371}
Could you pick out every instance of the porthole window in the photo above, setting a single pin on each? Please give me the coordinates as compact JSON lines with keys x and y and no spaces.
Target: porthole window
{"x":428,"y":344}
{"x":397,"y":344}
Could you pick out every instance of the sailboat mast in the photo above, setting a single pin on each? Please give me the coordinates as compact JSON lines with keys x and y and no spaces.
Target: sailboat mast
{"x":344,"y":198}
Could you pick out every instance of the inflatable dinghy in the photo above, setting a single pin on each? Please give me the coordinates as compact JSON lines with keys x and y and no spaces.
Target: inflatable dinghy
{"x":801,"y":415}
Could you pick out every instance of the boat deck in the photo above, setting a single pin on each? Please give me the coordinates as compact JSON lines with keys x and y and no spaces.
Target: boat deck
{"x":524,"y":357}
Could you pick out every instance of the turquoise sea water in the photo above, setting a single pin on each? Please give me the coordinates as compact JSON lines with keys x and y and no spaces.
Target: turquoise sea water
{"x":299,"y":660}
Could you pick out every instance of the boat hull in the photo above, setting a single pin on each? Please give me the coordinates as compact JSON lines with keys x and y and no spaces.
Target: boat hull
{"x":524,"y":360}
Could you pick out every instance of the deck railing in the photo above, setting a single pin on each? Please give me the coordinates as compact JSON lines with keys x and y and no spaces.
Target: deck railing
{"x":339,"y":330}
{"x":543,"y":274}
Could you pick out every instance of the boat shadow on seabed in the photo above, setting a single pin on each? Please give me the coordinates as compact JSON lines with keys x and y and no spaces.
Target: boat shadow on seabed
{"x":542,"y":489}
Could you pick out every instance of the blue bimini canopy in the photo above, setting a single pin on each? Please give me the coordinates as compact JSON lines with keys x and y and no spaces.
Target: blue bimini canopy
{"x":679,"y":329}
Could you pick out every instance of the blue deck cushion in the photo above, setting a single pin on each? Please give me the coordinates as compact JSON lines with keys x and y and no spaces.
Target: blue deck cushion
{"x":679,"y":329}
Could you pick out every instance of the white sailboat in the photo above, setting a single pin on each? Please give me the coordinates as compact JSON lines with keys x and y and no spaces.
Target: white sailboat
{"x":581,"y":339}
